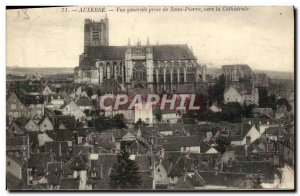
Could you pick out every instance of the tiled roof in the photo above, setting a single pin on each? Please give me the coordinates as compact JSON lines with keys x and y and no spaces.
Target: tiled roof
{"x":69,"y":184}
{"x":39,"y":162}
{"x":104,"y":140}
{"x":68,"y":121}
{"x":222,"y":179}
{"x":188,"y":182}
{"x":78,"y":162}
{"x":59,"y":149}
{"x":55,"y":171}
{"x":61,"y":134}
{"x":160,"y":52}
{"x":266,"y":169}
{"x":174,"y":143}
{"x":16,"y":141}
{"x":84,"y":101}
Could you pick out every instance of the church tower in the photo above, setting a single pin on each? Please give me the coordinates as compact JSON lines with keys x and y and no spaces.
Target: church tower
{"x":96,"y":33}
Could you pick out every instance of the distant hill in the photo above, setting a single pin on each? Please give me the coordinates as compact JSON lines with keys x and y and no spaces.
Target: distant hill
{"x":270,"y":74}
{"x":70,"y":70}
{"x":42,"y":71}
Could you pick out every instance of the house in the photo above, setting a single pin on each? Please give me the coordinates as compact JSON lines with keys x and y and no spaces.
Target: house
{"x":35,"y":103}
{"x":190,"y":181}
{"x":263,"y":111}
{"x":73,"y":110}
{"x":43,"y":138}
{"x":174,"y":165}
{"x":78,"y":164}
{"x":249,"y":134}
{"x":55,"y":101}
{"x":84,"y":103}
{"x":14,"y":173}
{"x":170,"y":116}
{"x":37,"y":166}
{"x":141,"y":112}
{"x":31,"y":126}
{"x":105,"y":141}
{"x":214,"y":180}
{"x":18,"y":147}
{"x":46,"y":90}
{"x":241,"y":93}
{"x":60,"y":150}
{"x":185,"y":144}
{"x":63,"y":122}
{"x":275,"y":133}
{"x":167,"y":129}
{"x":15,"y":108}
{"x":207,"y":149}
{"x":45,"y":124}
{"x":16,"y":128}
{"x":14,"y":167}
{"x":54,"y":174}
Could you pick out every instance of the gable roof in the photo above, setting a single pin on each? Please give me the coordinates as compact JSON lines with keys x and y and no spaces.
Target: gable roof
{"x":174,"y":143}
{"x":78,"y":162}
{"x":84,"y":101}
{"x":68,"y":121}
{"x":188,"y":182}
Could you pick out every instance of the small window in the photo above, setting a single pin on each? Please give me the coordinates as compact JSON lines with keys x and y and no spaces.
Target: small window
{"x":158,"y":170}
{"x":8,"y":163}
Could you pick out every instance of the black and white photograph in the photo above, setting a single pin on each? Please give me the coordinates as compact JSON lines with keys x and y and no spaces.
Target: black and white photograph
{"x":150,"y":98}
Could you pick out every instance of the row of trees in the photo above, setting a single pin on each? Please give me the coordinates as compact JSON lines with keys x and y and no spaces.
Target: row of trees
{"x":103,"y":123}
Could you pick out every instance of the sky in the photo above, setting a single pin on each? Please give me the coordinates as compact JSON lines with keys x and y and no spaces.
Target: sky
{"x":262,"y":37}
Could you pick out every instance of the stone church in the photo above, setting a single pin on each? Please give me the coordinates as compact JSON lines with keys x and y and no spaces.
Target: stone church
{"x":157,"y":68}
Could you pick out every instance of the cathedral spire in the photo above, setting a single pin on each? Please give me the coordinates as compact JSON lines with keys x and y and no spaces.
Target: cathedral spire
{"x":148,"y":42}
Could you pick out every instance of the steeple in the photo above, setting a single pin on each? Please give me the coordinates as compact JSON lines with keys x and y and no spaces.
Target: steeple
{"x":148,"y":42}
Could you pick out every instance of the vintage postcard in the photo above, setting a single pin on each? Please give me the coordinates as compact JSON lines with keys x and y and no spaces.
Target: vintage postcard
{"x":169,"y":98}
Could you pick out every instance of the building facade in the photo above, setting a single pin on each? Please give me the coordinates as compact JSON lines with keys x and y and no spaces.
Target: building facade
{"x":243,"y":72}
{"x":156,"y":67}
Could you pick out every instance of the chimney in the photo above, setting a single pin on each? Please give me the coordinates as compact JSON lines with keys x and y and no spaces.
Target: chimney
{"x":59,"y":149}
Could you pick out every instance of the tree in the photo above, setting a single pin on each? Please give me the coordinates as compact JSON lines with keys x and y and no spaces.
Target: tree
{"x":222,"y":143}
{"x":157,"y":114}
{"x":247,"y":110}
{"x":89,"y":92}
{"x":119,"y":121}
{"x":216,"y":91}
{"x":283,"y":101}
{"x":125,"y":173}
{"x":232,"y":112}
{"x":140,"y":123}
